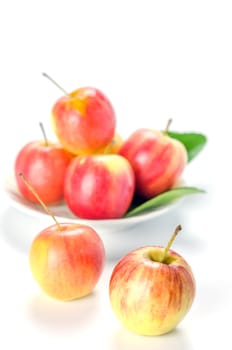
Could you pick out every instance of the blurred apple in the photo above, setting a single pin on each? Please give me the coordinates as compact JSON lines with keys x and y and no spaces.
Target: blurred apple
{"x":99,"y":186}
{"x":44,"y":164}
{"x":152,"y":289}
{"x":157,"y":159}
{"x":67,"y":260}
{"x":84,"y":120}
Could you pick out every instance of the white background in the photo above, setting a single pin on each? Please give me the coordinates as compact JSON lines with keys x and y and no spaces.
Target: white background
{"x":155,"y":60}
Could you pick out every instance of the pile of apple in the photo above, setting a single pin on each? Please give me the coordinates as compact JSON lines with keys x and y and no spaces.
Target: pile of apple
{"x":91,"y":167}
{"x":152,"y":288}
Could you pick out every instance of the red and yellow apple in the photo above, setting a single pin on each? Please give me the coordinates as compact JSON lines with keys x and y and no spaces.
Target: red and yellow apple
{"x":113,"y":146}
{"x":151,"y":290}
{"x":157,"y":159}
{"x":44,"y":165}
{"x":99,"y":186}
{"x":84,"y":121}
{"x":67,"y":260}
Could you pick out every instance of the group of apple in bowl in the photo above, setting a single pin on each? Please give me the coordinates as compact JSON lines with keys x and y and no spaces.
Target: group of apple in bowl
{"x":91,"y":168}
{"x":98,"y":174}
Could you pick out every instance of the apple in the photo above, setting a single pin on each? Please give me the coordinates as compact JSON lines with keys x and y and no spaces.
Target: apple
{"x":44,"y":164}
{"x":99,"y":186}
{"x":157,"y":159}
{"x":83,"y":120}
{"x":113,"y":146}
{"x":151,"y":289}
{"x":66,"y":259}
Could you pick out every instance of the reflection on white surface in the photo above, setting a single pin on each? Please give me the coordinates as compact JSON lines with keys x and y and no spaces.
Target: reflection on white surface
{"x":124,"y":340}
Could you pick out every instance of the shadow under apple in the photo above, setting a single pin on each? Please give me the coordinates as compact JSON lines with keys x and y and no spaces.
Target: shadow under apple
{"x":58,"y":316}
{"x":123,"y":339}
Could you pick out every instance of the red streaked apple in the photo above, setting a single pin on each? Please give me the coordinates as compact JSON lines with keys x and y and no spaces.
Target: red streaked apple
{"x":83,"y":120}
{"x":66,"y":259}
{"x":152,"y":289}
{"x":99,"y":186}
{"x":157,"y":159}
{"x":44,"y":164}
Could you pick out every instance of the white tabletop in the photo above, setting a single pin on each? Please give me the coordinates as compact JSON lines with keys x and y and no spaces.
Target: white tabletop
{"x":154,"y":61}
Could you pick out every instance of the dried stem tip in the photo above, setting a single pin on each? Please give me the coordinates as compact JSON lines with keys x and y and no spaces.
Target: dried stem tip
{"x":55,"y":83}
{"x":166,"y":249}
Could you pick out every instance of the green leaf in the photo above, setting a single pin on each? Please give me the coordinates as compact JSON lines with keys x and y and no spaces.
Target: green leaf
{"x":163,"y":199}
{"x":193,"y":142}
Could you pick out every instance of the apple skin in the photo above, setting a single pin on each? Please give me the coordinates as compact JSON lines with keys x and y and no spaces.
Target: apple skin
{"x":150,"y":297}
{"x":99,"y":186}
{"x":67,"y":262}
{"x":44,"y":166}
{"x":84,"y":120}
{"x":157,"y":159}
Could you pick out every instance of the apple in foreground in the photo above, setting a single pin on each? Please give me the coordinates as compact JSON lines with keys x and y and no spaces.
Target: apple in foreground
{"x":84,"y":120}
{"x":66,"y":259}
{"x":44,"y":165}
{"x":157,"y":159}
{"x":151,"y":289}
{"x":99,"y":186}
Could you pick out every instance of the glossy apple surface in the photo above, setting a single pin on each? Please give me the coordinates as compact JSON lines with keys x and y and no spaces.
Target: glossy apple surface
{"x":151,"y":297}
{"x":99,"y":186}
{"x":158,"y":160}
{"x":84,"y":120}
{"x":44,"y":165}
{"x":67,"y":262}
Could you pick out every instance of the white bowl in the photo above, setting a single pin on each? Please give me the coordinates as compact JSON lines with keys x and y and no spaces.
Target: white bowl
{"x":63,"y":214}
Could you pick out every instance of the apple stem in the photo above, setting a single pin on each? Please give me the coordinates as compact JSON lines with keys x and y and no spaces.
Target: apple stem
{"x":44,"y":134}
{"x":48,"y":211}
{"x":55,"y":83}
{"x":167,"y":126}
{"x":166,"y":249}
